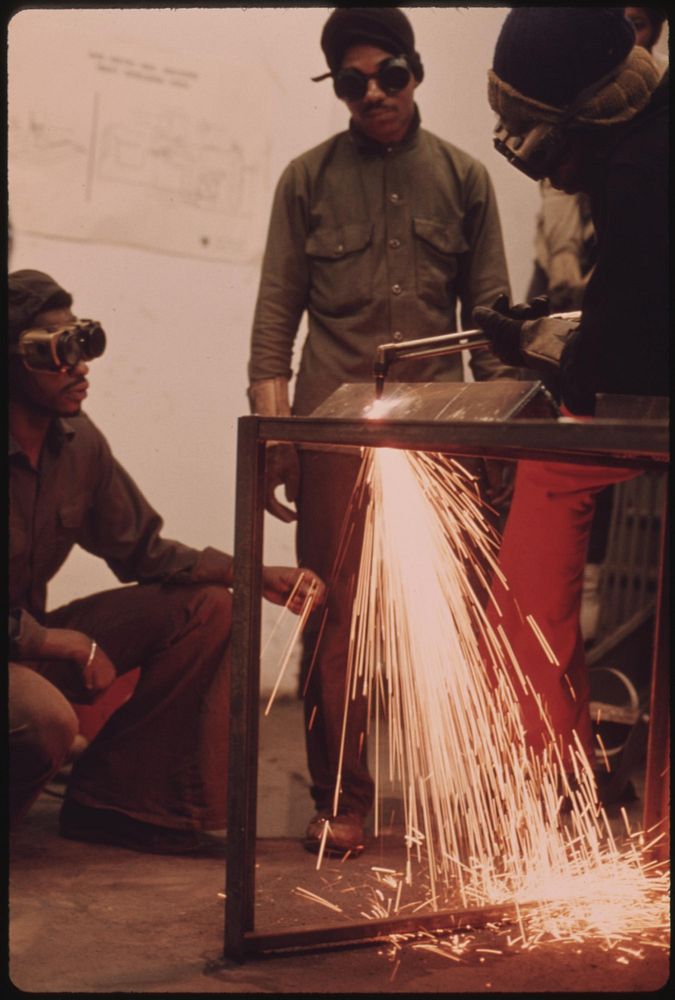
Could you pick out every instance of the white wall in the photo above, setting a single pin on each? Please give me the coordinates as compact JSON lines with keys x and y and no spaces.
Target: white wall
{"x":172,"y":383}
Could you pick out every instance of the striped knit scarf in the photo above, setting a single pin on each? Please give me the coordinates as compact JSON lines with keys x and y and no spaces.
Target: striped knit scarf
{"x":615,"y":99}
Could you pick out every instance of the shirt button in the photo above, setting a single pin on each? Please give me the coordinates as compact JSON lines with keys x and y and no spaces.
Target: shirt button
{"x":396,"y":289}
{"x":394,"y":243}
{"x":398,"y":335}
{"x":339,"y":248}
{"x":394,"y":198}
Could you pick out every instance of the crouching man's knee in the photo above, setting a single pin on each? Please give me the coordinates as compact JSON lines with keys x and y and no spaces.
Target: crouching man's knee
{"x":211,"y":608}
{"x":42,"y":729}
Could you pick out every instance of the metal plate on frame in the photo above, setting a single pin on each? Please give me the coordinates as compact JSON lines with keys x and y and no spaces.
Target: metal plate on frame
{"x":443,"y":401}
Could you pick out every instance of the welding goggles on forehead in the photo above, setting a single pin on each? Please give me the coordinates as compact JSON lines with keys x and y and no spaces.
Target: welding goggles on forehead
{"x":64,"y":347}
{"x":350,"y":84}
{"x":535,"y":151}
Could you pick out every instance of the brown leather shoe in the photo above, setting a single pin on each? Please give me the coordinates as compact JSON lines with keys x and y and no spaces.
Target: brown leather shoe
{"x":345,"y":835}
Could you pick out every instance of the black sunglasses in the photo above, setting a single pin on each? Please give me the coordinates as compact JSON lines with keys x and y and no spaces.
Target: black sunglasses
{"x":351,"y":84}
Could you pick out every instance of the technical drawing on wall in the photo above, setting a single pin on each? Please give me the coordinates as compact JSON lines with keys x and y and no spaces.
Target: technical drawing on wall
{"x":142,"y":149}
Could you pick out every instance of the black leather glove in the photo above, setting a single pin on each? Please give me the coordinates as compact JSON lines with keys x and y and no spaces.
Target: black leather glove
{"x":534,"y":309}
{"x":503,"y":323}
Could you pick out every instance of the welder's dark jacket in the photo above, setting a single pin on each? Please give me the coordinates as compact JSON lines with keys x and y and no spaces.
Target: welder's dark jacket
{"x":80,"y":495}
{"x":622,"y":344}
{"x":377,"y":244}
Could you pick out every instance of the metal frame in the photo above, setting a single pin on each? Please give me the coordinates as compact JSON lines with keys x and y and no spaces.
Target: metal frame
{"x":640,"y":444}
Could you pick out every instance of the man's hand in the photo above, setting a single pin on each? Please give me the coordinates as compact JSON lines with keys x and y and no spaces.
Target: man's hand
{"x":269,"y":398}
{"x":279,"y":582}
{"x":98,"y":672}
{"x":96,"y":669}
{"x":283,"y":469}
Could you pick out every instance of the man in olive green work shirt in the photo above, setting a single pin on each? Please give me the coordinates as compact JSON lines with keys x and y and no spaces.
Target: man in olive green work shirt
{"x":379,"y":234}
{"x":155,"y":776}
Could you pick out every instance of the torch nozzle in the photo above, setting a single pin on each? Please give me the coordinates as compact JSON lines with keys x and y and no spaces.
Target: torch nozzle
{"x":427,"y":347}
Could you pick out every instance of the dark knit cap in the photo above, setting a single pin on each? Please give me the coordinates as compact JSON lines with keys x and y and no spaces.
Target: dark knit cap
{"x":552,"y":54}
{"x":386,"y":27}
{"x":31,"y":292}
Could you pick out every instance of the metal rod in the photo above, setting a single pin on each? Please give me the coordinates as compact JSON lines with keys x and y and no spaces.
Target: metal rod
{"x":656,"y":812}
{"x":244,"y":690}
{"x":640,"y":444}
{"x":372,"y":931}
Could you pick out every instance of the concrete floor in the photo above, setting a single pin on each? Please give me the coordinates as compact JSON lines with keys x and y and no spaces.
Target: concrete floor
{"x":95,"y":919}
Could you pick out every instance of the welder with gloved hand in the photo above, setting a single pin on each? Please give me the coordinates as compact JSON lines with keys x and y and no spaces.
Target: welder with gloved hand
{"x":580,"y":103}
{"x":379,"y":234}
{"x":154,"y":778}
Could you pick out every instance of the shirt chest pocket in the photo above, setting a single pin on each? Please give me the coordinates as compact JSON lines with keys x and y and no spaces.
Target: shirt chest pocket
{"x":341,"y":268}
{"x":438,"y":247}
{"x":70,"y":517}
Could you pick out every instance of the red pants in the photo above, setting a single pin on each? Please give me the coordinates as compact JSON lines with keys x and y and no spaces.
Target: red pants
{"x":542,"y":556}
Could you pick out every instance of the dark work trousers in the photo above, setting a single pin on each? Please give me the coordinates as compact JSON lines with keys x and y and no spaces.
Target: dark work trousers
{"x":326,"y":487}
{"x":162,"y":756}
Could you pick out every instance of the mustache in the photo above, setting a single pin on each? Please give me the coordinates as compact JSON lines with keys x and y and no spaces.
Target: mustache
{"x":77,"y":382}
{"x":374,"y":106}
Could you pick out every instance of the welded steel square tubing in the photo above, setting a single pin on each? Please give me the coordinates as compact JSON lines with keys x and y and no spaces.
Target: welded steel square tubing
{"x":640,"y":444}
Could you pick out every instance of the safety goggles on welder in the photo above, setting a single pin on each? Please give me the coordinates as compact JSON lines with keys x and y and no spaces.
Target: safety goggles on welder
{"x":534,"y":152}
{"x":58,"y":349}
{"x":350,"y":84}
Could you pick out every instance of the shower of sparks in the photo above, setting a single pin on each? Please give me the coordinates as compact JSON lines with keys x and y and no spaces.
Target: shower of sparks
{"x":294,"y":626}
{"x":482,"y":810}
{"x":306,"y":894}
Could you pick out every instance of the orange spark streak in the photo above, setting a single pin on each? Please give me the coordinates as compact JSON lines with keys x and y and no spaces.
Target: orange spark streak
{"x":292,"y":639}
{"x":316,"y":899}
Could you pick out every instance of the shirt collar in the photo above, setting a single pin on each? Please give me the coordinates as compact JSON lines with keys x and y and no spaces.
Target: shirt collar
{"x":60,"y":430}
{"x":365,"y":144}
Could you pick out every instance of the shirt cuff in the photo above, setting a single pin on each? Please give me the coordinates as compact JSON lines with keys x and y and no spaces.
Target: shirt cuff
{"x":26,"y":635}
{"x":212,"y":566}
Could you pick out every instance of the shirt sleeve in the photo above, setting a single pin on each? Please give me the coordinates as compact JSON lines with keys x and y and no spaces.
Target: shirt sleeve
{"x":25,"y":634}
{"x":123,"y":529}
{"x":284,"y":281}
{"x":483,"y":274}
